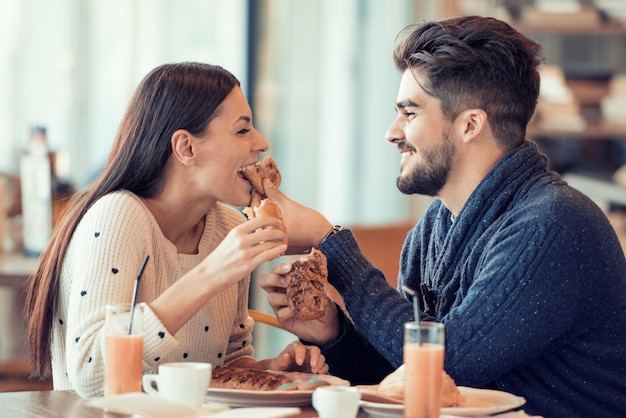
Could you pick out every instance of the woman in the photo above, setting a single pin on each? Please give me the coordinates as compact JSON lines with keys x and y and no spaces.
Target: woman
{"x":174,"y":167}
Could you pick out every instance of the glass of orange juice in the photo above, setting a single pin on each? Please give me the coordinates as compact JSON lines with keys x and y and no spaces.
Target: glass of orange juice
{"x":423,"y":360}
{"x":123,"y":358}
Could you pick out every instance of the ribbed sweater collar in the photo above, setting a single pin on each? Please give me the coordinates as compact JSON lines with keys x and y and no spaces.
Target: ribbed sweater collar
{"x":517,"y":170}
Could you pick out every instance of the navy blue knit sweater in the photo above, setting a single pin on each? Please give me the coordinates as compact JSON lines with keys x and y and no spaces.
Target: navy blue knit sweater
{"x":529,"y":279}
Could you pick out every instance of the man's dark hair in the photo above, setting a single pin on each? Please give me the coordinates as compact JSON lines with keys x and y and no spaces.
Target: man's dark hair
{"x":476,"y":62}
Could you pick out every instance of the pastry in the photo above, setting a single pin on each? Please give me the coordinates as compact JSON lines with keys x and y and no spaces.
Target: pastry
{"x":267,"y":168}
{"x":306,"y":286}
{"x":229,"y":377}
{"x":393,"y":387}
{"x":267,"y":208}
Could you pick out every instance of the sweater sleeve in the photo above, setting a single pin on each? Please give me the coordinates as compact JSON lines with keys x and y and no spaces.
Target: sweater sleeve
{"x":378,"y":311}
{"x":105,"y":254}
{"x":347,"y":355}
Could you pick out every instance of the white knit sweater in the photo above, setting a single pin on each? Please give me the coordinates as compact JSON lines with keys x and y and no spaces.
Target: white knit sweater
{"x":100,"y":267}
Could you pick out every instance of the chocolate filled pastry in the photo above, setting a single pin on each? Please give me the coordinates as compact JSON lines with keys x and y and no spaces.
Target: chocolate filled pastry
{"x":229,"y":377}
{"x":264,"y":169}
{"x":306,"y":286}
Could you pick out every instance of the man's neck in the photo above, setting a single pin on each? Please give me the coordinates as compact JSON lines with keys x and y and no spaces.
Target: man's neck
{"x":464,"y":178}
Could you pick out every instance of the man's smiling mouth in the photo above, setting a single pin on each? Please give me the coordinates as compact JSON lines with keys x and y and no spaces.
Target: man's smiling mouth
{"x":406,"y":154}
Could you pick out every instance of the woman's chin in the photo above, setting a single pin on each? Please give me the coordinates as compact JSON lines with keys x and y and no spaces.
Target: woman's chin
{"x":240,"y":201}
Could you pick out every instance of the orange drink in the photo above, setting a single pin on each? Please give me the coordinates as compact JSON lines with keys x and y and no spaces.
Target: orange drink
{"x":123,"y":369}
{"x":423,"y":362}
{"x":123,"y":356}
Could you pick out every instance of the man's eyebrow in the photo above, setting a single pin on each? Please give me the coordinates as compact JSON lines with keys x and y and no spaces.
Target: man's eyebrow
{"x":406,"y":103}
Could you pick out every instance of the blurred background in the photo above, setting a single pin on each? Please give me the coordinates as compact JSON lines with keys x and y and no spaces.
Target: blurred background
{"x":321,"y":83}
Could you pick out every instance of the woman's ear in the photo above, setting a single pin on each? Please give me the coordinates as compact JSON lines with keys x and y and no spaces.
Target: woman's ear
{"x":183,"y":147}
{"x":472,"y":123}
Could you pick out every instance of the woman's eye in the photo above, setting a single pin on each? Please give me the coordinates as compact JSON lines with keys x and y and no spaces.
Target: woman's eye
{"x":244,"y":131}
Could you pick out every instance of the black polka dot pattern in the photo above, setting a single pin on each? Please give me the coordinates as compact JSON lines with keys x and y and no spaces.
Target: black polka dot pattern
{"x":241,"y":326}
{"x":161,"y":334}
{"x":157,"y":358}
{"x":243,"y":343}
{"x":60,"y":321}
{"x":185,"y":355}
{"x":83,"y":293}
{"x":206,"y":328}
{"x":219,"y":355}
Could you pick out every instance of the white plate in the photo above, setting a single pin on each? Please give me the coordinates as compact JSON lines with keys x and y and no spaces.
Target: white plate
{"x":239,"y":397}
{"x":141,"y":404}
{"x":269,"y":412}
{"x":478,"y":402}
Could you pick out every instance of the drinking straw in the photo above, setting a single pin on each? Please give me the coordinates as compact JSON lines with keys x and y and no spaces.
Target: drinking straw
{"x":132,"y":307}
{"x":413,"y":293}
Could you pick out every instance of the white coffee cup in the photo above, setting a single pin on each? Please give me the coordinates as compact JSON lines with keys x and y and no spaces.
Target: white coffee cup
{"x":336,"y":401}
{"x":184,"y":382}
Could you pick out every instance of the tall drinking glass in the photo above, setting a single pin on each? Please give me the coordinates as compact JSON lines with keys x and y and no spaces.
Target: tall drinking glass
{"x":423,"y":362}
{"x":123,"y":358}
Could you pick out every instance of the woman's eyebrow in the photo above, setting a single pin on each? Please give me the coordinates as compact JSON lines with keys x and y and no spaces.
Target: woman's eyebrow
{"x":244,"y":118}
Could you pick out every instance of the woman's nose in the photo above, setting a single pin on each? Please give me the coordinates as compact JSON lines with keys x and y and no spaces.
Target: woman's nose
{"x":261,"y":143}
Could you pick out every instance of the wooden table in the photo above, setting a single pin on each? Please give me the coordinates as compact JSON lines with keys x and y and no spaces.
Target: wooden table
{"x":67,"y":404}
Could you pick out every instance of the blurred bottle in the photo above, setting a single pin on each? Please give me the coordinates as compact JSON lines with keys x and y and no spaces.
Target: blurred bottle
{"x":36,"y":185}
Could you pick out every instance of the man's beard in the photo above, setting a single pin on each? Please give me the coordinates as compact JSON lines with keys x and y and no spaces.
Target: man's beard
{"x":430,"y":177}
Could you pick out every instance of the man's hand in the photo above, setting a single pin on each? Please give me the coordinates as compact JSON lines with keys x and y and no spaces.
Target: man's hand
{"x":319,"y":331}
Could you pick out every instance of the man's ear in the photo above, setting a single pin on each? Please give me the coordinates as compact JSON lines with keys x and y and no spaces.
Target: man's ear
{"x":183,"y":147}
{"x":472,"y":123}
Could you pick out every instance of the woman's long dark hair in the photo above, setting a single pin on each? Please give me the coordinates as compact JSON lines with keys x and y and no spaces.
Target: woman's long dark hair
{"x":171,"y":97}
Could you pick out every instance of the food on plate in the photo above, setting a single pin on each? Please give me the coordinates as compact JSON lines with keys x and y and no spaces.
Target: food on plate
{"x":450,"y":395}
{"x":306,"y":285}
{"x":229,"y":377}
{"x":255,"y":173}
{"x":393,"y":387}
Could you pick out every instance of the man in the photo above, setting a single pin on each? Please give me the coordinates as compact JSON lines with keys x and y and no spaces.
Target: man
{"x":525,"y":272}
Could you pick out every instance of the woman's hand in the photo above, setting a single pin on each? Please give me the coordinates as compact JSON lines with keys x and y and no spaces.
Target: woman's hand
{"x":297,"y":357}
{"x":319,"y":331}
{"x":244,"y":248}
